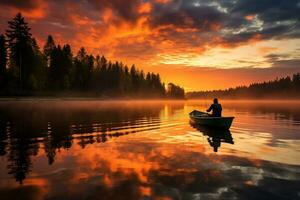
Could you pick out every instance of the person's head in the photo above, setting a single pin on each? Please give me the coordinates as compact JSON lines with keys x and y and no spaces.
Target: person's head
{"x":215,"y":100}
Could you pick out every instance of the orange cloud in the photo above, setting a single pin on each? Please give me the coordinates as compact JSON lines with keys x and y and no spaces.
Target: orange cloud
{"x":250,"y":17}
{"x":38,"y":12}
{"x":163,"y":1}
{"x":266,"y":50}
{"x":145,"y":8}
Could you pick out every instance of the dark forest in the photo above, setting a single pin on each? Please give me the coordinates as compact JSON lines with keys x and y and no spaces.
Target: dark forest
{"x":26,"y":70}
{"x":283,"y":88}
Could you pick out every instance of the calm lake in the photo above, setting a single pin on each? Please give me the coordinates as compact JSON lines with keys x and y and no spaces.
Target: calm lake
{"x":135,"y":150}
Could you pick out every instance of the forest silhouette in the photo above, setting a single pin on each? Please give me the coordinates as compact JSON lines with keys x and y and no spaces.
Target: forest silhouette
{"x":283,"y":88}
{"x":25,"y":70}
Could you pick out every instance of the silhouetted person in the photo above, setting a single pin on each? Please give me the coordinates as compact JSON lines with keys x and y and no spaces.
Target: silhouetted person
{"x":216,"y":108}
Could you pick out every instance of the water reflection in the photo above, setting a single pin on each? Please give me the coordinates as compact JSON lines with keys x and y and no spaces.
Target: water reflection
{"x":277,"y":109}
{"x":97,"y":150}
{"x":27,"y":128}
{"x":215,"y":137}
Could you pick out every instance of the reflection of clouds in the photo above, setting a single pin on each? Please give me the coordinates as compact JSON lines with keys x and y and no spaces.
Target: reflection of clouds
{"x":26,"y":192}
{"x":187,"y":173}
{"x":254,"y":174}
{"x":134,"y":170}
{"x":170,"y":162}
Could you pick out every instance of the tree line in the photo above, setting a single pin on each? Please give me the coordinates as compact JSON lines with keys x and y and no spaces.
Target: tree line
{"x":175,"y":91}
{"x":25,"y":69}
{"x":282,"y":88}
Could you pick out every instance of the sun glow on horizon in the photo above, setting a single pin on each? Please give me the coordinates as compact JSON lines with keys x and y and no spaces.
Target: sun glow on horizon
{"x":174,"y":37}
{"x":249,"y":55}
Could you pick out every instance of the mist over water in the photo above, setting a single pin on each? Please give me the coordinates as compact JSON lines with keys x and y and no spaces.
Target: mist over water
{"x":55,"y":149}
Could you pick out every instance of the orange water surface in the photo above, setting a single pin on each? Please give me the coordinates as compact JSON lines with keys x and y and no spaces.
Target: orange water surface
{"x":88,"y":149}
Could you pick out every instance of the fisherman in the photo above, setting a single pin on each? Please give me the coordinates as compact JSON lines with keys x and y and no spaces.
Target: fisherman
{"x":216,"y":108}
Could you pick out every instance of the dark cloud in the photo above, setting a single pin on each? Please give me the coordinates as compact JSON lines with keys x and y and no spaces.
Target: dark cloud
{"x":272,"y":18}
{"x":272,"y":57}
{"x":187,"y":15}
{"x":26,"y":5}
{"x":283,"y":61}
{"x":226,"y":19}
{"x":269,"y":10}
{"x":291,"y":63}
{"x":234,"y":22}
{"x":126,"y":10}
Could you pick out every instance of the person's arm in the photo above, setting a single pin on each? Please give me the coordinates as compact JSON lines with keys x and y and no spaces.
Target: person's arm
{"x":210,"y":108}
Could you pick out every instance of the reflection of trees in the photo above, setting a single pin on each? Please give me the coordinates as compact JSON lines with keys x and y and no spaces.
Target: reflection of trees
{"x":3,"y":136}
{"x":57,"y":137}
{"x":19,"y":157}
{"x":22,"y":144}
{"x":172,"y":108}
{"x":24,"y":129}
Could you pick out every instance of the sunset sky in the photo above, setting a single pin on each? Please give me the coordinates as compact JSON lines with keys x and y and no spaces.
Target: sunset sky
{"x":199,"y":44}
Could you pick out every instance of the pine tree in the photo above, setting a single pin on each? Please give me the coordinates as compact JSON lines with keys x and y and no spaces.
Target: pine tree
{"x":38,"y":74}
{"x":48,"y":49}
{"x":20,"y":45}
{"x":3,"y":60}
{"x":61,"y":70}
{"x":134,"y":79}
{"x":82,"y":70}
{"x":175,"y":91}
{"x":67,"y":67}
{"x":103,"y":74}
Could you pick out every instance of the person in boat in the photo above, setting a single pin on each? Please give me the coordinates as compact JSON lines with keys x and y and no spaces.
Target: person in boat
{"x":216,"y":109}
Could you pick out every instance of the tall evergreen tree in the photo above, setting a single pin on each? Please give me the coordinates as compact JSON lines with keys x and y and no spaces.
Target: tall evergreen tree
{"x":25,"y":54}
{"x":175,"y":91}
{"x":60,"y":67}
{"x":48,"y":48}
{"x":82,"y":70}
{"x":103,"y":71}
{"x":3,"y":60}
{"x":95,"y":80}
{"x":38,"y":73}
{"x":296,"y":82}
{"x":20,"y":45}
{"x":67,"y":64}
{"x":134,"y":78}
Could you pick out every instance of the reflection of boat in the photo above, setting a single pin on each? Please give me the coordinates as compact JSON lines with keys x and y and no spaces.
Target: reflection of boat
{"x":215,"y":136}
{"x":204,"y":119}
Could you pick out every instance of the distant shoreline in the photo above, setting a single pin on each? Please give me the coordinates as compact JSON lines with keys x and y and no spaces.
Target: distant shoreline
{"x":248,"y":99}
{"x":36,"y":98}
{"x":88,"y":98}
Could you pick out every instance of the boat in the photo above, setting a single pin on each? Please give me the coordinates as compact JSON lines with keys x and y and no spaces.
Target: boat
{"x":205,"y":119}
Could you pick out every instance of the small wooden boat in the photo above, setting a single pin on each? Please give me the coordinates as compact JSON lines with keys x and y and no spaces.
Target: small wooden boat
{"x":204,"y":119}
